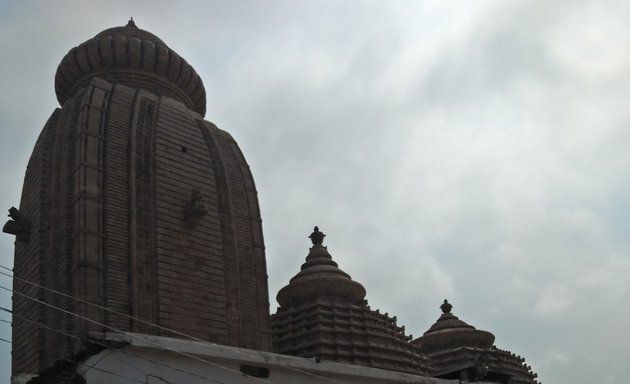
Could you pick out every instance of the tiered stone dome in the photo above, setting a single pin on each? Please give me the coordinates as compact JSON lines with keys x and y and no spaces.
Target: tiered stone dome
{"x":451,"y":332}
{"x":323,"y":313}
{"x":459,"y":351}
{"x":320,"y":276}
{"x":134,"y":57}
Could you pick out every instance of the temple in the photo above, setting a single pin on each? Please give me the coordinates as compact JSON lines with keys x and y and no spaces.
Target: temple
{"x":137,"y":205}
{"x":459,"y":351}
{"x":323,"y":314}
{"x":139,"y":253}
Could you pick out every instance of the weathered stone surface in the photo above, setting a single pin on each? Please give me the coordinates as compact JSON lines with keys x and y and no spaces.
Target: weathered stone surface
{"x":105,"y":195}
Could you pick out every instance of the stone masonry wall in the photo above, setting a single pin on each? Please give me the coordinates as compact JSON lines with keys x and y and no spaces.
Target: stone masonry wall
{"x":105,"y":193}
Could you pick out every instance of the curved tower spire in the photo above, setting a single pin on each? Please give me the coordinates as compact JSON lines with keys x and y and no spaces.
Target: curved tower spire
{"x":136,"y":204}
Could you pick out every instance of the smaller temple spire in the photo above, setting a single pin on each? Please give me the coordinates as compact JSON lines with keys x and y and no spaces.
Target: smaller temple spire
{"x":446,"y":307}
{"x":317,"y":237}
{"x":320,"y":277}
{"x":131,"y":23}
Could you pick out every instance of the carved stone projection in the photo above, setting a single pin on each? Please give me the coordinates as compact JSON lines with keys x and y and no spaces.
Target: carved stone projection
{"x":194,"y":209}
{"x":323,"y":315}
{"x":107,"y":194}
{"x":18,"y":226}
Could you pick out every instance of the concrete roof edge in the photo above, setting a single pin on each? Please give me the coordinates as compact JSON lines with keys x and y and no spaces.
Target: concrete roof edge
{"x":268,"y":359}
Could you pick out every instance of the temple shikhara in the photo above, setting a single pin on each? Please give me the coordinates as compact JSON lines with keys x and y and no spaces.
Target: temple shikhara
{"x":139,"y":253}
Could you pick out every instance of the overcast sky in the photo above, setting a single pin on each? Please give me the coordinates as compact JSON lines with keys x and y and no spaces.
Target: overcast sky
{"x":470,"y":150}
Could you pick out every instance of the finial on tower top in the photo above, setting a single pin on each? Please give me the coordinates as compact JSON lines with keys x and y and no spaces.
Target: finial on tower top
{"x":317,"y":237}
{"x":446,"y":307}
{"x":131,"y":23}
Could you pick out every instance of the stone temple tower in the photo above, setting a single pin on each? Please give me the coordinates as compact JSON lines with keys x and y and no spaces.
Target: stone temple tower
{"x":135,"y":203}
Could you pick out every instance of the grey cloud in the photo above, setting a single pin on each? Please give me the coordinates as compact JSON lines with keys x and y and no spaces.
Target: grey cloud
{"x":459,"y":148}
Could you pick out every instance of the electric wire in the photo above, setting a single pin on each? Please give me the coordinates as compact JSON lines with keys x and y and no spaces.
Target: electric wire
{"x":149,"y":323}
{"x":157,"y":377}
{"x":147,"y":340}
{"x":154,"y":325}
{"x":109,"y":352}
{"x":41,"y":325}
{"x":92,"y":367}
{"x":95,"y":368}
{"x":108,"y":372}
{"x":104,"y":308}
{"x":106,"y":346}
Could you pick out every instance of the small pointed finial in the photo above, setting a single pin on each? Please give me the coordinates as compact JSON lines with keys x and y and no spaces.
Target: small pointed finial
{"x":131,"y":23}
{"x":317,"y":237}
{"x":446,"y":307}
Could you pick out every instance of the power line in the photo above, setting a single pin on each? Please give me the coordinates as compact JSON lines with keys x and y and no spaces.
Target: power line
{"x":188,"y":355}
{"x":104,"y":308}
{"x":109,"y":372}
{"x":126,"y":352}
{"x":159,"y":378}
{"x":91,"y":367}
{"x":98,"y":323}
{"x":147,"y":323}
{"x":150,"y":324}
{"x":109,"y":352}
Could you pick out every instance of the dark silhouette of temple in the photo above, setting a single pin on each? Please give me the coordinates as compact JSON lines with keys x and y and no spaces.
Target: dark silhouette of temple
{"x":137,"y":215}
